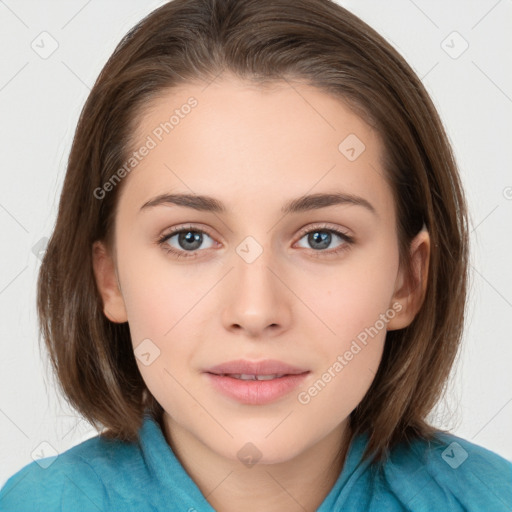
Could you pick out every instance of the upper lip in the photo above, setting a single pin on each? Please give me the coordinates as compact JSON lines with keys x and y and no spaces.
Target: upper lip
{"x":266,"y":367}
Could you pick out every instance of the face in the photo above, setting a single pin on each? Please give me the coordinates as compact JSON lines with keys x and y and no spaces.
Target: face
{"x":267,"y":275}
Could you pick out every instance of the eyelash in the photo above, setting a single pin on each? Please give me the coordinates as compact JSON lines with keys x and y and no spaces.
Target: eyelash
{"x":348,"y":240}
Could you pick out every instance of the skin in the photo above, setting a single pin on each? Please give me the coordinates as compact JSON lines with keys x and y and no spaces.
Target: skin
{"x":254,"y":149}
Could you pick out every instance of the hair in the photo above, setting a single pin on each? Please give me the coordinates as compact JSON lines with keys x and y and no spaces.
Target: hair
{"x":315,"y":42}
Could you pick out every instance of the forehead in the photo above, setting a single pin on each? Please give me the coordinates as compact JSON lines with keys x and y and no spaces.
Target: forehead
{"x":237,"y":141}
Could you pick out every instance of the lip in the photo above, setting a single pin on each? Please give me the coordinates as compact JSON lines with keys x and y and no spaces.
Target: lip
{"x":254,"y":392}
{"x":266,"y":367}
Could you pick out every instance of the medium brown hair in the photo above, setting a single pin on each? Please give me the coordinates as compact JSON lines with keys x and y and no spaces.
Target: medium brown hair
{"x":316,"y":42}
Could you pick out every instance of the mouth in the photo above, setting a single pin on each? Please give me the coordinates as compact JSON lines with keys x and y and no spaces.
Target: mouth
{"x":243,"y":376}
{"x":265,"y":368}
{"x":255,"y":383}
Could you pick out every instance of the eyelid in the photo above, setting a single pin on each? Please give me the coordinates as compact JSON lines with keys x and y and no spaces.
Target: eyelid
{"x":184,"y":227}
{"x":325,"y":226}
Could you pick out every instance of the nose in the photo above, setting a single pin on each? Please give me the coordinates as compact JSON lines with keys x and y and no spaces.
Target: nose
{"x":257,"y":298}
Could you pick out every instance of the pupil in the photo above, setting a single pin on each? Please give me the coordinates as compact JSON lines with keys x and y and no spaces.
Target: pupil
{"x":190,"y":238}
{"x":324,"y":239}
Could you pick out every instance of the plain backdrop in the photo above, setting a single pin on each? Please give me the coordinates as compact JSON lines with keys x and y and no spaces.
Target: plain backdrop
{"x":460,"y":49}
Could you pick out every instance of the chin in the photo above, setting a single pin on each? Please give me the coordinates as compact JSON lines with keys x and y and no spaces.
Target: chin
{"x":259,"y":452}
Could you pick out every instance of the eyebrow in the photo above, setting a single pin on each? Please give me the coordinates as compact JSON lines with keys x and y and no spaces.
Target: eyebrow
{"x":300,"y":204}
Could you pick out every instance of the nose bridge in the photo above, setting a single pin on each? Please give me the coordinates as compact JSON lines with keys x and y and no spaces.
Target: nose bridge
{"x":257,"y":298}
{"x":252,"y":263}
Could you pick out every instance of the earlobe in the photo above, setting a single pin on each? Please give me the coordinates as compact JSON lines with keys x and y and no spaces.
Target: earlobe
{"x":410,"y":290}
{"x":108,"y":284}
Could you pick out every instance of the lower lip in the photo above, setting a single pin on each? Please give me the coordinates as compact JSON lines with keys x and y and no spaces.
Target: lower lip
{"x":256,"y":392}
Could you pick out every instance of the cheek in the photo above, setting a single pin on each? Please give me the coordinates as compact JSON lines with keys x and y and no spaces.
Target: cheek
{"x":158,"y":296}
{"x":164,"y":305}
{"x":355,"y":302}
{"x":151,"y":310}
{"x":340,"y":385}
{"x":357,"y":314}
{"x":353,"y":297}
{"x":160,"y":308}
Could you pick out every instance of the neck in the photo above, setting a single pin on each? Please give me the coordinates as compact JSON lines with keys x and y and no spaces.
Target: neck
{"x":299,"y":484}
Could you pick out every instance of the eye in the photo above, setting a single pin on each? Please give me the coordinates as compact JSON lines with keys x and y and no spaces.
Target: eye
{"x":321,"y":237}
{"x":186,"y":240}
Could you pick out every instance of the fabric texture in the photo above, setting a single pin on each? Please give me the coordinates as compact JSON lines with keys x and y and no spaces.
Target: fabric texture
{"x":449,"y":474}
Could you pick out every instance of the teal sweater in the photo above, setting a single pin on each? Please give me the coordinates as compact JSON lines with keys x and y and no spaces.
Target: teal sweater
{"x":99,"y":474}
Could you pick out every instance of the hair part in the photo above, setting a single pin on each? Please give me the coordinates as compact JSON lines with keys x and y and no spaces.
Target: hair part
{"x":316,"y":42}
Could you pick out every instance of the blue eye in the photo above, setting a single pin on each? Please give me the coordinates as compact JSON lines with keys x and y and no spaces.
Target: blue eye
{"x":188,"y":241}
{"x":320,"y":239}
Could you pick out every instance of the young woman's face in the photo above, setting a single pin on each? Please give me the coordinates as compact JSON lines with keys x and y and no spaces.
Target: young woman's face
{"x":259,"y":272}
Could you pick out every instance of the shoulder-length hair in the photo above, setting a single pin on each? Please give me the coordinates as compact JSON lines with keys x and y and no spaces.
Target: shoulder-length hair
{"x":316,"y":42}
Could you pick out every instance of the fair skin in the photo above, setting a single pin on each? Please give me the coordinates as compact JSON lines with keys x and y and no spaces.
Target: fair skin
{"x":254,"y":149}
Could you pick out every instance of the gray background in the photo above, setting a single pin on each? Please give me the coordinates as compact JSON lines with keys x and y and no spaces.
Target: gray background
{"x":40,"y":99}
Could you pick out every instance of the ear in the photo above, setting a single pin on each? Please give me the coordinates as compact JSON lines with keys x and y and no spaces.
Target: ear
{"x":108,"y":284}
{"x":410,"y":290}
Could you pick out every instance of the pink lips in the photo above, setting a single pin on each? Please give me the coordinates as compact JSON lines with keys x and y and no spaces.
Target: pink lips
{"x":281,"y":378}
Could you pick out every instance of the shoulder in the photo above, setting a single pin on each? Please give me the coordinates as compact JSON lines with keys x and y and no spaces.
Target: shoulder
{"x":73,"y":480}
{"x":449,"y":473}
